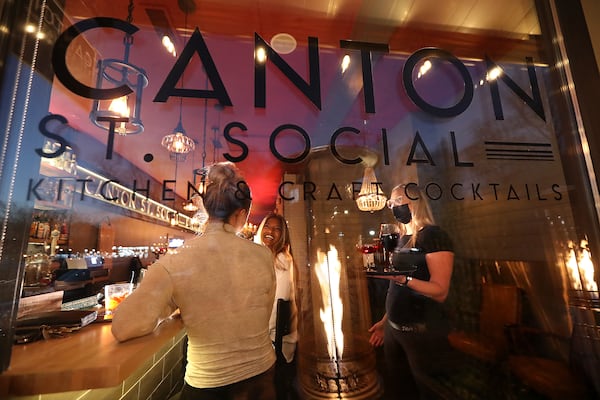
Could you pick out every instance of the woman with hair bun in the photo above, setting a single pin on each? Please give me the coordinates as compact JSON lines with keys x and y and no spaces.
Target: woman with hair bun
{"x":225,"y":309}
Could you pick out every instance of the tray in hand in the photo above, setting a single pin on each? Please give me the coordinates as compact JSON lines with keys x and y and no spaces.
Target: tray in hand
{"x":404,"y":271}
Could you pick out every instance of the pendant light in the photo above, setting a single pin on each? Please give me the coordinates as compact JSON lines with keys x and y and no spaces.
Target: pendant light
{"x":179,"y":143}
{"x":113,"y":73}
{"x":370,"y":198}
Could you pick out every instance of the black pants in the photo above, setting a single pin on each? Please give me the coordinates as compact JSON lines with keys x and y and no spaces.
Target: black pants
{"x":259,"y":387}
{"x":411,"y":356}
{"x":284,"y":378}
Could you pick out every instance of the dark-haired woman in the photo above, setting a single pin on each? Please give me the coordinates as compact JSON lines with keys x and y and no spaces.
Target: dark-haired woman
{"x":224,"y":288}
{"x":273,"y":232}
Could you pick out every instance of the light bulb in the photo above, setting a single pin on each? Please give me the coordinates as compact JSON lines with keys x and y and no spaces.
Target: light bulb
{"x":120,"y":107}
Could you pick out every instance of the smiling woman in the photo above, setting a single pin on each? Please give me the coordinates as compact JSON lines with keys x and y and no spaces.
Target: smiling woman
{"x":273,"y":233}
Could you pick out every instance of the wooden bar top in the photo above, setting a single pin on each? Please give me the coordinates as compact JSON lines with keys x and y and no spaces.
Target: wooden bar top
{"x":90,"y":358}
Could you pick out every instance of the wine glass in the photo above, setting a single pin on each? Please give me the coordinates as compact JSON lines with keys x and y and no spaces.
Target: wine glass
{"x":388,"y":235}
{"x":368,"y":250}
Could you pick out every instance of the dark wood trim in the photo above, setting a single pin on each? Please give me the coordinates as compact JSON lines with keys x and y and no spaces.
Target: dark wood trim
{"x":573,"y":34}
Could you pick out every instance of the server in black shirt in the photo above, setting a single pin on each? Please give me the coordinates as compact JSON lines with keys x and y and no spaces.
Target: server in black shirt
{"x":414,"y":329}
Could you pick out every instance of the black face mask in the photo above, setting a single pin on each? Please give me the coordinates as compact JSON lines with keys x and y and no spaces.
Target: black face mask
{"x":402,"y":213}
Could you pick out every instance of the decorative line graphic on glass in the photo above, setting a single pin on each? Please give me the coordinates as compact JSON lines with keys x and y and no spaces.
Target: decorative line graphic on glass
{"x":527,"y":151}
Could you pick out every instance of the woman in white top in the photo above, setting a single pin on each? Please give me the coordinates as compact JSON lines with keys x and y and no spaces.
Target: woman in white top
{"x":273,"y":233}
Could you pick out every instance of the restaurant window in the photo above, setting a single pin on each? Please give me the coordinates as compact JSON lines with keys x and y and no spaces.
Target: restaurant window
{"x":465,"y":105}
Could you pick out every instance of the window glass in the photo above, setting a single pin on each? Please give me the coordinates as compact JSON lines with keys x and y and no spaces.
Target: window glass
{"x":325,"y":119}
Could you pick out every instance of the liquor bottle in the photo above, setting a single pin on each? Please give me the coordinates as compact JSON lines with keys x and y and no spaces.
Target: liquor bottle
{"x":64,"y":233}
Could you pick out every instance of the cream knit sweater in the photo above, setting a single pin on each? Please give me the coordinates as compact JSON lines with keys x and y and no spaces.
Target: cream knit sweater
{"x":224,"y":287}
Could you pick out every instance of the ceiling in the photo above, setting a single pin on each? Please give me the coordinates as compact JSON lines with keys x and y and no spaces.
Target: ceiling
{"x":505,"y":29}
{"x":331,"y":20}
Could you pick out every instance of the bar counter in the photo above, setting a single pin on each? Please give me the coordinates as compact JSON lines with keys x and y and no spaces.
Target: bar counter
{"x":90,"y":358}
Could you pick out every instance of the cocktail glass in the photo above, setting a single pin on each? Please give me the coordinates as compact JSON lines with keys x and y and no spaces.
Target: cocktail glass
{"x":113,"y":296}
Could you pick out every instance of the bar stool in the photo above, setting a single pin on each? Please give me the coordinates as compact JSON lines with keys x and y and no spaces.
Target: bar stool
{"x":500,"y":306}
{"x":486,"y":350}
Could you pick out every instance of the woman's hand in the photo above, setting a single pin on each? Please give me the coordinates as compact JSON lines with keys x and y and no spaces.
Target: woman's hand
{"x":376,"y":331}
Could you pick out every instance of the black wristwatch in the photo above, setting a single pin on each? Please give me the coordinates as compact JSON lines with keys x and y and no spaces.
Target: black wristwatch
{"x":408,"y":279}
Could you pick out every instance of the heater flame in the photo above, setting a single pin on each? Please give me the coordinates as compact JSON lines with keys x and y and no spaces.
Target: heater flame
{"x":581,"y":269}
{"x":573,"y":269}
{"x":328,"y":270}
